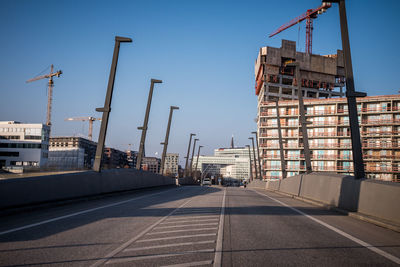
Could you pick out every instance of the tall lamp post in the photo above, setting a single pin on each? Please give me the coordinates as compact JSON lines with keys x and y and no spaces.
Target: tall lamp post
{"x":171,"y":109}
{"x":107,"y":104}
{"x":191,"y":161}
{"x":351,"y":94}
{"x":258,"y":153}
{"x":144,"y":127}
{"x":254,"y":154}
{"x":303,"y":121}
{"x":188,"y":151}
{"x":281,"y":151}
{"x":197,"y":162}
{"x":251,"y":170}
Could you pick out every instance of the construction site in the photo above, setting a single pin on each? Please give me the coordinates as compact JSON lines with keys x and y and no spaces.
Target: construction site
{"x":321,"y":81}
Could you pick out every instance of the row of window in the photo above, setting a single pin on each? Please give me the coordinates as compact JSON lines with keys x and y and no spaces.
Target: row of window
{"x":20,"y":145}
{"x":9,"y":154}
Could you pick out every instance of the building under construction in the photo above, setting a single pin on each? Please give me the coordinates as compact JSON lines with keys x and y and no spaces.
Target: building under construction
{"x":329,"y":136}
{"x":322,"y":76}
{"x":322,"y":81}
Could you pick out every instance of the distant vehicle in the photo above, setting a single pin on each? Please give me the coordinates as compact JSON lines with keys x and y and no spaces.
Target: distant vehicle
{"x":206,"y":181}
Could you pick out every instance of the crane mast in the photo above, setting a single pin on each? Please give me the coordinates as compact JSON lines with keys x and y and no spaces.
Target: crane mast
{"x":90,"y":119}
{"x":50,"y":90}
{"x":309,"y":15}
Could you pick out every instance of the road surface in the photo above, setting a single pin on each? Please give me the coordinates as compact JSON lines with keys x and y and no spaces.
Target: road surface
{"x":193,"y":226}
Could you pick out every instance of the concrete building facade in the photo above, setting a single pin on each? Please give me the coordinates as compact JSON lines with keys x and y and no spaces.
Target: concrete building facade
{"x":70,"y":152}
{"x":329,"y":136}
{"x":151,"y":164}
{"x":171,"y":164}
{"x":322,"y":76}
{"x":23,"y":145}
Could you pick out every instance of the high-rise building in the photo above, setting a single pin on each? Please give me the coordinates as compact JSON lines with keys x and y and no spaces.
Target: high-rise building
{"x":329,"y":136}
{"x":23,"y":145}
{"x":171,"y":164}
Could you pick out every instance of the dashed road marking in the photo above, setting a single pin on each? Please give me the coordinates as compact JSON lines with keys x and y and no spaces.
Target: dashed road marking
{"x":172,"y":245}
{"x":181,"y":230}
{"x":174,"y":237}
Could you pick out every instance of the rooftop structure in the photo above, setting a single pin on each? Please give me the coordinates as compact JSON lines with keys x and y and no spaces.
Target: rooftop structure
{"x":329,"y":136}
{"x":321,"y":76}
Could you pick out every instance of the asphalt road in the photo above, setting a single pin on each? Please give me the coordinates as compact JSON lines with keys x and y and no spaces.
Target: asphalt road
{"x":193,"y":226}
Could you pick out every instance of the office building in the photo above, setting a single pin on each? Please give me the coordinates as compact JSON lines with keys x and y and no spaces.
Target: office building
{"x":70,"y":152}
{"x":23,"y":145}
{"x":226,"y":162}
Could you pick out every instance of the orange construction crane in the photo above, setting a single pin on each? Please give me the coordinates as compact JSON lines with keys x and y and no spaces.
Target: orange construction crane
{"x":50,"y":90}
{"x":308,"y":16}
{"x":90,"y":119}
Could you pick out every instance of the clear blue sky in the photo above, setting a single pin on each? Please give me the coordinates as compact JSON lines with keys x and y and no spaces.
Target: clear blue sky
{"x":204,"y":51}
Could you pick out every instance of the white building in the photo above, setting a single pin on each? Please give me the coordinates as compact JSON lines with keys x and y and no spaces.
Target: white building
{"x":23,"y":144}
{"x":171,"y":164}
{"x":227,"y":162}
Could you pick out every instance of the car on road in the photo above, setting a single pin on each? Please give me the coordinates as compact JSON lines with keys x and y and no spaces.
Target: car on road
{"x":206,"y":181}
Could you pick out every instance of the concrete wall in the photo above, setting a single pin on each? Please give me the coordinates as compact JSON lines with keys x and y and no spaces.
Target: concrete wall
{"x":34,"y":190}
{"x":378,"y":199}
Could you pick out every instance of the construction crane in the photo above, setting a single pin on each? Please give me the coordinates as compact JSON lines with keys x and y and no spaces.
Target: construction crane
{"x":50,"y":90}
{"x":90,"y":119}
{"x":308,"y":16}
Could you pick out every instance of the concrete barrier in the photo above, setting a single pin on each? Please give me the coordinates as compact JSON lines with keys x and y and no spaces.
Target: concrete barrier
{"x":35,"y":190}
{"x":378,"y":199}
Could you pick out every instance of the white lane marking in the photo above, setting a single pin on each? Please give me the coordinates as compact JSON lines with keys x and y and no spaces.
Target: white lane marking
{"x":128,"y":259}
{"x":182,"y":230}
{"x":218,"y":249}
{"x":174,"y":237}
{"x":352,"y":238}
{"x":175,"y":222}
{"x":78,"y":213}
{"x":197,"y":212}
{"x":184,"y":225}
{"x":192,"y":217}
{"x":130,"y":241}
{"x":171,"y":245}
{"x":189,"y":264}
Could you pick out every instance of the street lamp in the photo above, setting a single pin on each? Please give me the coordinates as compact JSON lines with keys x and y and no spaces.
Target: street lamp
{"x":303,"y":121}
{"x":191,"y":161}
{"x":281,"y":151}
{"x":107,"y":104}
{"x":172,"y":108}
{"x":197,"y":161}
{"x":258,"y":153}
{"x":251,"y":170}
{"x":351,"y":94}
{"x":187,"y":156}
{"x":254,"y":154}
{"x":144,"y":128}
